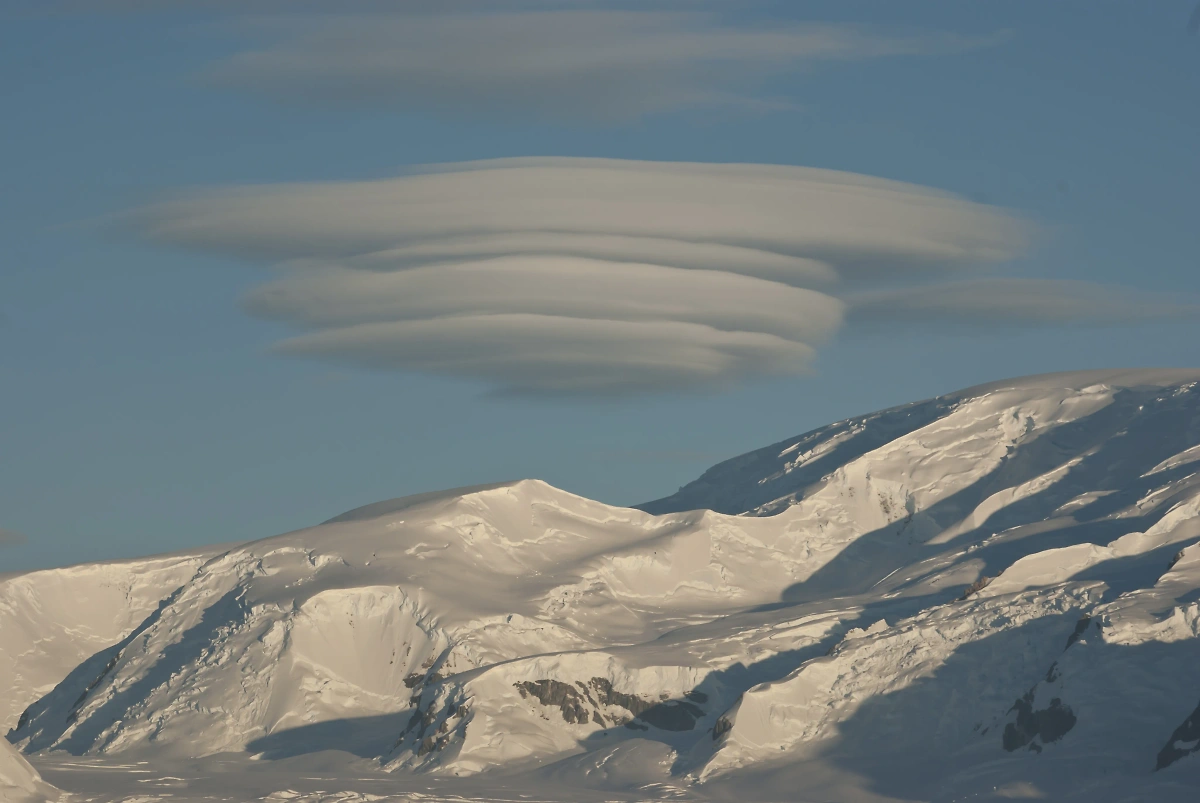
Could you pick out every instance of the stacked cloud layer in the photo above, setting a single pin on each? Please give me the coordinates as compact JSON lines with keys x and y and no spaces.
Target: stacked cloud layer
{"x":583,"y":275}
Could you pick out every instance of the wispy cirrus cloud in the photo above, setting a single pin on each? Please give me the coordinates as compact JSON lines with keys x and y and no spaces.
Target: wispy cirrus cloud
{"x":554,"y":60}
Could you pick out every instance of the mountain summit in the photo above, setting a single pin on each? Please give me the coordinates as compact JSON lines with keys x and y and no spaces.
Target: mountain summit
{"x":986,"y":595}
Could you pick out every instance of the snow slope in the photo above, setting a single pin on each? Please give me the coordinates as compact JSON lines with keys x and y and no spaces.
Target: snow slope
{"x":51,"y":621}
{"x":987,"y":595}
{"x":19,"y":782}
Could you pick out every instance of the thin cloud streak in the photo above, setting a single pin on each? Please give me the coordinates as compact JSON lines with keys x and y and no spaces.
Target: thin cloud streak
{"x":565,"y":63}
{"x":990,"y":303}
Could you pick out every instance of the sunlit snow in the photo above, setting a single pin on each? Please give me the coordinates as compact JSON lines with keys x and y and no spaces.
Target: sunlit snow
{"x":989,"y":595}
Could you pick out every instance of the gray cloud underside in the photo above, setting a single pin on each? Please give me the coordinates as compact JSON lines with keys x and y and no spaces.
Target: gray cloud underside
{"x":575,"y":63}
{"x":616,"y":248}
{"x":555,"y":286}
{"x":557,"y":275}
{"x":1003,"y":302}
{"x":526,"y":353}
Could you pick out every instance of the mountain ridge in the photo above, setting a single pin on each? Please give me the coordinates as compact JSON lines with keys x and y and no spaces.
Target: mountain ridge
{"x":701,"y":490}
{"x":929,"y":602}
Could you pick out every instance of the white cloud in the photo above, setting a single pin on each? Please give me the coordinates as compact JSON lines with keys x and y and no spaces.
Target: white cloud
{"x":862,"y":226}
{"x":567,"y":63}
{"x":581,"y":275}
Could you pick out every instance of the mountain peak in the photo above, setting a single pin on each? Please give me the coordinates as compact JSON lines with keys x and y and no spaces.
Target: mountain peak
{"x":986,"y":586}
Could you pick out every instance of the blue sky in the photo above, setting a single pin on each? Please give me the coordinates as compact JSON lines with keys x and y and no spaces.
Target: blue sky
{"x":143,"y":410}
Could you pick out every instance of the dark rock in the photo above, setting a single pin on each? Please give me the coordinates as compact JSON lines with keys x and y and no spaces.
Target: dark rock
{"x":1080,"y":628}
{"x":582,"y":702}
{"x":1047,"y":725}
{"x":566,"y":697}
{"x":671,"y":715}
{"x":1188,"y":731}
{"x":976,"y":587}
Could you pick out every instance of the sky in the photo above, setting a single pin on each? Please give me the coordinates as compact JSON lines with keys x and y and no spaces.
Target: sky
{"x":265,"y":261}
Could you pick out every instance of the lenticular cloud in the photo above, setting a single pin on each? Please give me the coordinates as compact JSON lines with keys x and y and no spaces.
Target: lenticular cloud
{"x":567,"y":61}
{"x":582,"y":275}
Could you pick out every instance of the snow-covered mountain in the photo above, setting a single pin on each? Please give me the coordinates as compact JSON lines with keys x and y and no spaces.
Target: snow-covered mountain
{"x":19,"y":782}
{"x":51,"y":621}
{"x":994,"y":593}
